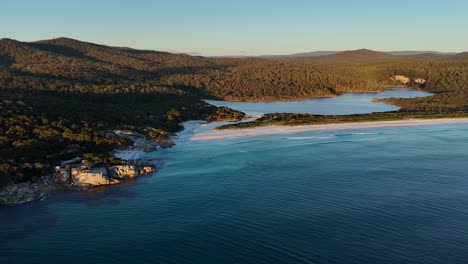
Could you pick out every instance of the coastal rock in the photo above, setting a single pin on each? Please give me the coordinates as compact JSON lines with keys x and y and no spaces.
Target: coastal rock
{"x":167,"y":143}
{"x":63,"y":176}
{"x":140,"y":142}
{"x":123,"y":171}
{"x":29,"y":191}
{"x":147,"y":146}
{"x":146,"y":170}
{"x":63,"y":179}
{"x":93,"y":177}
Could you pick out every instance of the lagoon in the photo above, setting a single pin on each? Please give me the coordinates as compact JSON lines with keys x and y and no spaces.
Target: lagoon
{"x":375,"y":195}
{"x":345,"y":104}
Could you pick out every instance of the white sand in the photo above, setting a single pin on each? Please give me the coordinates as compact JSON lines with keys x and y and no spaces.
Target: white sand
{"x":278,"y":130}
{"x":190,"y":129}
{"x":195,"y":127}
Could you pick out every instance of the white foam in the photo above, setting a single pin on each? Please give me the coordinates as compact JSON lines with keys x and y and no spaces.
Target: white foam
{"x":311,"y":137}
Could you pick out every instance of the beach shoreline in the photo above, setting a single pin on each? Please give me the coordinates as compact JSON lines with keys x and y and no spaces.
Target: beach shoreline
{"x":213,"y":135}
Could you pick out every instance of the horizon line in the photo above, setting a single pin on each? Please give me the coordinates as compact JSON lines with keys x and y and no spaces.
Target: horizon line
{"x":195,"y":53}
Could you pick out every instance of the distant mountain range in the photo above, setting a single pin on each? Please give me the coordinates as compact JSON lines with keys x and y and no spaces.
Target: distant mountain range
{"x":329,"y":52}
{"x":409,"y":52}
{"x":82,"y":54}
{"x":303,"y":54}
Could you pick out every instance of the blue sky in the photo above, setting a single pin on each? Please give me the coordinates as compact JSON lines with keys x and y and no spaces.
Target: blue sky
{"x":241,"y":27}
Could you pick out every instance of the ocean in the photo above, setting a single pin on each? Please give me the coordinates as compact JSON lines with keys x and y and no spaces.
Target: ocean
{"x":387,"y":195}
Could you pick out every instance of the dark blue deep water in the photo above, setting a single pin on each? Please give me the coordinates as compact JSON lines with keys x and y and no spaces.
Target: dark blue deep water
{"x":393,"y":195}
{"x":388,"y":195}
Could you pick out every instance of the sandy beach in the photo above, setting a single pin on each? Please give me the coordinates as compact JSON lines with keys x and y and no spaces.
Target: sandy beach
{"x":278,"y":130}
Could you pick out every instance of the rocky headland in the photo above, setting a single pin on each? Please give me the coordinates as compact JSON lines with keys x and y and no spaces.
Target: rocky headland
{"x":72,"y":179}
{"x":75,"y":175}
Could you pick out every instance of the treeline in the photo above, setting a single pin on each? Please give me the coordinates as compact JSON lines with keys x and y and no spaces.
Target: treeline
{"x":74,"y":66}
{"x":260,"y":79}
{"x":41,"y":128}
{"x":58,"y":97}
{"x":289,"y":119}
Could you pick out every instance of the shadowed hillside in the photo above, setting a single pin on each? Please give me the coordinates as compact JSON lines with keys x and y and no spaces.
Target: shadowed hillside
{"x":72,"y":65}
{"x":59,"y":96}
{"x":463,"y":55}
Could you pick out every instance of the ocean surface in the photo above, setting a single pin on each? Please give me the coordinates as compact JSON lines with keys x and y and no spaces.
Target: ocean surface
{"x":388,"y":195}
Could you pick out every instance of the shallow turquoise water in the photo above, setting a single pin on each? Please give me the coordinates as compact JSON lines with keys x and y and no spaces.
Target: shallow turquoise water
{"x":349,"y":103}
{"x":388,"y":195}
{"x":393,"y":195}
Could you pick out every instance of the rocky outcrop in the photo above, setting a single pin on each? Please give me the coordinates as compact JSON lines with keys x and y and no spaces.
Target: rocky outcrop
{"x":400,"y":78}
{"x":29,"y":191}
{"x":146,"y":170}
{"x":419,"y":81}
{"x":123,"y":171}
{"x":93,"y":177}
{"x":406,"y":80}
{"x":166,"y":143}
{"x":140,"y":142}
{"x":76,"y":178}
{"x":63,"y":176}
{"x":63,"y":179}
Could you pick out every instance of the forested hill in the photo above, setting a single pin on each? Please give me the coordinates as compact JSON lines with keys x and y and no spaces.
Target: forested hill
{"x":70,"y":65}
{"x":85,"y":66}
{"x":356,"y":56}
{"x":463,"y":55}
{"x":58,"y":97}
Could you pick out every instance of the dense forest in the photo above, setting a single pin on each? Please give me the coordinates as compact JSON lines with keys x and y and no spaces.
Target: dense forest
{"x":60,"y":96}
{"x":59,"y":102}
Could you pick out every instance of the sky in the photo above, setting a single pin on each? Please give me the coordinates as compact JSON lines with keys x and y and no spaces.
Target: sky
{"x":241,"y":27}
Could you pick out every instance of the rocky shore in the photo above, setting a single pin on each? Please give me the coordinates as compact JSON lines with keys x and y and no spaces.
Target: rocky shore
{"x":29,"y":191}
{"x":76,"y":176}
{"x":72,"y":179}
